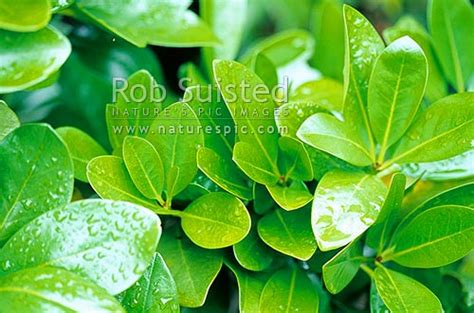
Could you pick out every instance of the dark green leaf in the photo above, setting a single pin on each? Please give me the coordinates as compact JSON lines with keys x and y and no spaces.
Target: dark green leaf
{"x":294,"y":160}
{"x":154,"y":292}
{"x":110,"y":243}
{"x":161,"y":23}
{"x":342,"y":268}
{"x":252,"y":254}
{"x":37,"y":176}
{"x":193,"y":268}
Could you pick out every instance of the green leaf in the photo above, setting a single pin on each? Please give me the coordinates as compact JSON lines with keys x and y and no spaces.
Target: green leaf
{"x":250,"y":288}
{"x":290,"y":116}
{"x":177,"y":138}
{"x":344,"y":206}
{"x":404,"y":294}
{"x":215,"y":159}
{"x":48,"y":289}
{"x":396,"y":88}
{"x":91,"y":238}
{"x":19,"y":68}
{"x":284,"y":47}
{"x":264,"y":68}
{"x":342,"y":268}
{"x":37,"y":176}
{"x":262,"y":200}
{"x":328,"y":29}
{"x":24,"y":15}
{"x":216,"y":220}
{"x":108,"y":176}
{"x":450,"y":25}
{"x":255,"y":129}
{"x":288,"y":233}
{"x":382,"y":230}
{"x":216,"y":14}
{"x":325,"y":93}
{"x":407,"y":26}
{"x":193,"y":268}
{"x":8,"y":120}
{"x":443,"y":130}
{"x":82,"y":148}
{"x":160,"y":23}
{"x":144,"y":166}
{"x":154,"y":292}
{"x":136,"y":105}
{"x":252,"y":253}
{"x":433,"y":238}
{"x":291,"y":197}
{"x":60,"y":5}
{"x":362,"y":46}
{"x":325,"y":132}
{"x":376,"y":302}
{"x":294,"y":159}
{"x":289,"y":290}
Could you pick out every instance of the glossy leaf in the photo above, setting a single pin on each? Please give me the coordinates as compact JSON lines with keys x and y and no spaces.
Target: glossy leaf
{"x":252,"y":253}
{"x":291,"y":197}
{"x":82,"y":148}
{"x":381,"y":231}
{"x":215,"y":158}
{"x":227,"y":21}
{"x":376,"y":302}
{"x":264,"y":68}
{"x":250,"y":288}
{"x":144,"y":166}
{"x":37,"y":176}
{"x":255,"y":137}
{"x":362,"y":46}
{"x":327,"y":133}
{"x":24,"y":15}
{"x":326,"y":93}
{"x":289,"y":290}
{"x":342,"y":268}
{"x":159,"y":23}
{"x":328,"y":29}
{"x":294,"y":159}
{"x":288,"y":233}
{"x":407,"y":26}
{"x":443,"y":130}
{"x":344,"y":206}
{"x":19,"y":68}
{"x":154,"y":292}
{"x":90,"y":238}
{"x":177,"y":139}
{"x":262,"y":200}
{"x":193,"y":268}
{"x":48,"y":289}
{"x":8,"y":120}
{"x":290,"y":116}
{"x":450,"y":25}
{"x":139,"y":94}
{"x":396,"y":88}
{"x":216,"y":220}
{"x":404,"y":294}
{"x":435,"y":237}
{"x":110,"y":179}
